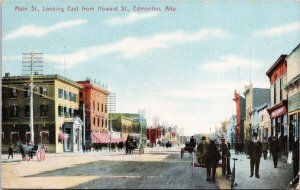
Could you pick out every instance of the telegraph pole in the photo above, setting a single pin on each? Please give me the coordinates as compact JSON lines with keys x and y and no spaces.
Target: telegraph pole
{"x":32,"y":63}
{"x":83,"y":109}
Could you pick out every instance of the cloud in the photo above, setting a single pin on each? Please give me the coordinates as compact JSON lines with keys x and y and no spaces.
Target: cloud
{"x":130,"y":18}
{"x":38,"y":31}
{"x":279,"y":30}
{"x":229,"y":62}
{"x":132,"y":46}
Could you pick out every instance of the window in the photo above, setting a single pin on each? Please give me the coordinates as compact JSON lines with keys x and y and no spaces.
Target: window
{"x":60,"y":111}
{"x":27,"y":92}
{"x":66,"y":112}
{"x":43,"y":110}
{"x":66,"y":95}
{"x":281,"y":88}
{"x":43,"y":91}
{"x":74,"y":98}
{"x":98,"y":122}
{"x":102,"y":108}
{"x":102,"y":122}
{"x":275,"y":93}
{"x":44,"y":137}
{"x":94,"y":122}
{"x":14,"y":93}
{"x":98,"y":106}
{"x":80,"y":94}
{"x":106,"y":122}
{"x":70,"y":96}
{"x":105,"y":108}
{"x":71,"y":111}
{"x":14,"y":111}
{"x":93,"y":105}
{"x":27,"y":111}
{"x":60,"y":93}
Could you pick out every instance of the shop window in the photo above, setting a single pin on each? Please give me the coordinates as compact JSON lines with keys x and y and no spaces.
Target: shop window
{"x":60,"y":93}
{"x":14,"y":93}
{"x":27,"y":111}
{"x":44,"y":137}
{"x":43,"y":110}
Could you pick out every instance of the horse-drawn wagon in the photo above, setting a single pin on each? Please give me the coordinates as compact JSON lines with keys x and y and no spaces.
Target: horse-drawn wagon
{"x":28,"y":152}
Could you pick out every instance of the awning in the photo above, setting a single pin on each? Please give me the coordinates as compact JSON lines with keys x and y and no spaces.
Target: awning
{"x":44,"y":132}
{"x":61,"y":136}
{"x":100,"y":138}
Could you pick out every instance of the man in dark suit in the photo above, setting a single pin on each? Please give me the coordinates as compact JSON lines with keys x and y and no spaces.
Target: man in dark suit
{"x":275,"y":150}
{"x":255,"y":151}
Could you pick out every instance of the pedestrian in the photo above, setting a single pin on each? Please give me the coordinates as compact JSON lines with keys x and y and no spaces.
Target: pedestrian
{"x":229,"y":146}
{"x":213,"y":157}
{"x":242,"y":147}
{"x":192,"y":142}
{"x":296,"y":158}
{"x":202,"y":150}
{"x":275,"y":150}
{"x":225,"y":158}
{"x":254,"y":151}
{"x":10,"y":152}
{"x":265,"y":146}
{"x":270,"y":140}
{"x":245,"y":147}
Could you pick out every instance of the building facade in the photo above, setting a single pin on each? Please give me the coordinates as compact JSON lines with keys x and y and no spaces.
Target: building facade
{"x":55,"y":107}
{"x":231,"y":131}
{"x":254,"y":97}
{"x":292,"y":88}
{"x":278,"y":109}
{"x":95,"y":99}
{"x":264,"y":130}
{"x":240,"y":116}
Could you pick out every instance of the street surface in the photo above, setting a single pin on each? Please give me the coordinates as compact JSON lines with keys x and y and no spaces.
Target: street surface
{"x":158,"y":168}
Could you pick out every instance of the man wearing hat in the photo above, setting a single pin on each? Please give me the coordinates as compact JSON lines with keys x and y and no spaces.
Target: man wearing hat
{"x":255,"y":151}
{"x":225,"y":158}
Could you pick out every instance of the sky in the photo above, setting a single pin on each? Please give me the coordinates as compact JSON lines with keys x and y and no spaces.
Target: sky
{"x":181,"y":65}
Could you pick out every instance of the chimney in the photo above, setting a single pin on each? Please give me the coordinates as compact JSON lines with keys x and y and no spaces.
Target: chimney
{"x":7,"y":74}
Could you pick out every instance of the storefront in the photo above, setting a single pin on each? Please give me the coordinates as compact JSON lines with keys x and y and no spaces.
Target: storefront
{"x":279,"y":125}
{"x":294,"y":119}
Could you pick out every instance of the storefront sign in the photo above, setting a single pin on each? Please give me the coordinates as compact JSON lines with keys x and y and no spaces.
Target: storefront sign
{"x":278,"y":112}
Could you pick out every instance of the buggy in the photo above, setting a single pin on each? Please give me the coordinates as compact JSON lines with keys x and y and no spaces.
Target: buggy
{"x":188,"y":148}
{"x":28,"y":152}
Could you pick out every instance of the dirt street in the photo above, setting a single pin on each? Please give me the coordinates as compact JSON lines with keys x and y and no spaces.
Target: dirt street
{"x":156,"y":169}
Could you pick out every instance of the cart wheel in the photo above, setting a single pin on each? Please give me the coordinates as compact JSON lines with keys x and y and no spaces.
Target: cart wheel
{"x":38,"y":155}
{"x":43,"y":154}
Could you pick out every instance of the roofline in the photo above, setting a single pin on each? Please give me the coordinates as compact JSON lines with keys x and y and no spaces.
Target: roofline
{"x":281,"y":57}
{"x":297,"y":47}
{"x":96,"y":87}
{"x":55,"y":76}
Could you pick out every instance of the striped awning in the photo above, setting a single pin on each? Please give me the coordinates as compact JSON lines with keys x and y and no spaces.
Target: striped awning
{"x":104,"y":138}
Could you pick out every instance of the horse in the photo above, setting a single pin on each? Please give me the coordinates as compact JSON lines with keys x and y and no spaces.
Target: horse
{"x":26,"y":151}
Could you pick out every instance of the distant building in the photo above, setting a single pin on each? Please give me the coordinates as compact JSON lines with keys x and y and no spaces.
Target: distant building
{"x":292,"y":88}
{"x":231,"y":131}
{"x":254,"y":97}
{"x":240,"y":116}
{"x":55,"y":111}
{"x":264,"y":122}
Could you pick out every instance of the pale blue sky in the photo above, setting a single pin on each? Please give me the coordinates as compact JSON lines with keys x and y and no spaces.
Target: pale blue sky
{"x":181,"y":66}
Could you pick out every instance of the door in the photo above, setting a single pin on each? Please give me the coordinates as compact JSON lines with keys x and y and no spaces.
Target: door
{"x":68,"y":141}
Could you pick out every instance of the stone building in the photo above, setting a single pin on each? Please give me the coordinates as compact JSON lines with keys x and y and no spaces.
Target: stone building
{"x":55,"y":107}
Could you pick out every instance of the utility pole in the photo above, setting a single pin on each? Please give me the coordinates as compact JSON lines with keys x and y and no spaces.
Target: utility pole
{"x":83,"y":109}
{"x":32,"y":63}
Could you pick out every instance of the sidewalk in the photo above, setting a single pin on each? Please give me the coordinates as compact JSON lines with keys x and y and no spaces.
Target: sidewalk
{"x":270,"y":177}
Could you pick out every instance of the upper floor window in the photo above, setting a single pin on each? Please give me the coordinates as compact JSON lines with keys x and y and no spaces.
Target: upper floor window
{"x":27,"y":92}
{"x":281,"y":88}
{"x":14,"y":93}
{"x":80,"y":94}
{"x":275,"y":94}
{"x":70,"y":96}
{"x":66,"y":112}
{"x":60,"y":111}
{"x":43,"y":110}
{"x":43,"y":91}
{"x":71,"y":111}
{"x":66,"y":95}
{"x":105,"y":108}
{"x":27,"y":111}
{"x":102,"y":107}
{"x":74,"y":98}
{"x":14,"y":111}
{"x":98,"y":106}
{"x":60,"y":93}
{"x":93,"y":105}
{"x":98,"y":121}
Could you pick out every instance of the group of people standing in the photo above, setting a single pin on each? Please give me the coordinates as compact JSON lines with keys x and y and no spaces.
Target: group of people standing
{"x":208,"y":153}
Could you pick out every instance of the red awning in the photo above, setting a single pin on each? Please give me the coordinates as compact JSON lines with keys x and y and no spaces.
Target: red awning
{"x":44,"y":132}
{"x":100,"y":138}
{"x":61,"y":136}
